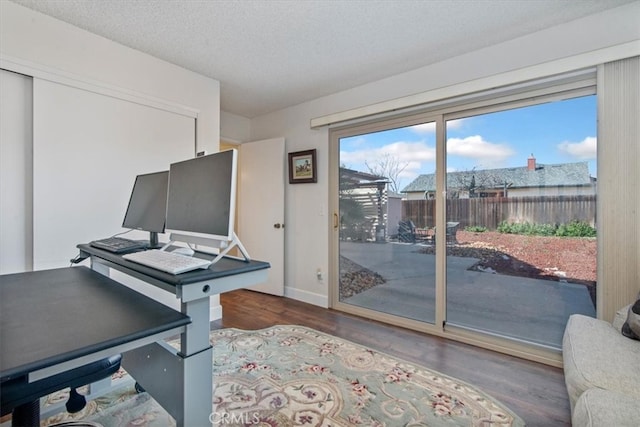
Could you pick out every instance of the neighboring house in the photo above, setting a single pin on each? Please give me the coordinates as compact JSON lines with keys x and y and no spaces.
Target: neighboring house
{"x":565,"y":179}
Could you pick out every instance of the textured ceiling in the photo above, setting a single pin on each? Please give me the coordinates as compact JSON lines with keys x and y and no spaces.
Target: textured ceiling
{"x":269,"y":55}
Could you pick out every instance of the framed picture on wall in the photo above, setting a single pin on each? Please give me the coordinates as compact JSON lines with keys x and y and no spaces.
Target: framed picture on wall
{"x":302,"y":167}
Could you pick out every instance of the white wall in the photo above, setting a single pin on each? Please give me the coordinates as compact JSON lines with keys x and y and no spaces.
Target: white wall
{"x":306,"y":212}
{"x":234,"y":128}
{"x":80,"y":139}
{"x":70,"y":51}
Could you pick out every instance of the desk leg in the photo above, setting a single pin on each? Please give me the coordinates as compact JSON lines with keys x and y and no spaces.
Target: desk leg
{"x":198,"y":364}
{"x":180,"y":381}
{"x":196,"y":336}
{"x":181,"y":385}
{"x":164,"y":372}
{"x":100,"y":268}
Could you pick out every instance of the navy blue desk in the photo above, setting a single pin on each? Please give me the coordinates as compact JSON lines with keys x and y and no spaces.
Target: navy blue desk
{"x":54,"y":320}
{"x":181,"y":380}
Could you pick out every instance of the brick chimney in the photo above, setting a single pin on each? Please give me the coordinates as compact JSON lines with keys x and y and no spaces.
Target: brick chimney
{"x":531,"y":163}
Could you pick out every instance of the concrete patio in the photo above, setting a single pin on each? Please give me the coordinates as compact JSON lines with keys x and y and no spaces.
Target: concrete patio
{"x":517,"y":307}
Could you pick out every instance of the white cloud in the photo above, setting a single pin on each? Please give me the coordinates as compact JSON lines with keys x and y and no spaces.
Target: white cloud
{"x":359,"y":141}
{"x":411,"y":154}
{"x":424,"y":128}
{"x":427,"y":128}
{"x":475,"y":147}
{"x":583,"y":150}
{"x":404,"y":152}
{"x":455,"y":124}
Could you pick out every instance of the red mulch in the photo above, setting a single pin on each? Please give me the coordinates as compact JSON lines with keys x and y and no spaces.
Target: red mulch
{"x":552,"y":258}
{"x":541,"y":256}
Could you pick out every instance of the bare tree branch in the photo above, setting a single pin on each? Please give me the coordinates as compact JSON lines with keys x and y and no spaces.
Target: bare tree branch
{"x":389,"y":167}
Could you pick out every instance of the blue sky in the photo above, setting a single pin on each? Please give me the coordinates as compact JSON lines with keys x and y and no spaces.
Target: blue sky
{"x":557,"y":132}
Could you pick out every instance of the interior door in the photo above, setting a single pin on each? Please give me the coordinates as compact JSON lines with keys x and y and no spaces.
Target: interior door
{"x":261,"y":186}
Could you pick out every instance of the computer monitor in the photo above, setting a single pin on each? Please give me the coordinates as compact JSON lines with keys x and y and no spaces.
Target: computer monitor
{"x":201,"y":201}
{"x":148,"y":204}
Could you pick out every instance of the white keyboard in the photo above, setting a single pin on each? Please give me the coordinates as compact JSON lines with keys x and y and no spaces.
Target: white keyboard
{"x":167,"y":261}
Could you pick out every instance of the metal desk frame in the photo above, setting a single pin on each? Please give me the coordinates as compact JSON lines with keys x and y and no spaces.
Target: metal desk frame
{"x":164,"y":371}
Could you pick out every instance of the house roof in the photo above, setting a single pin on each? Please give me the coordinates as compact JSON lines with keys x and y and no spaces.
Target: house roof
{"x":564,"y":174}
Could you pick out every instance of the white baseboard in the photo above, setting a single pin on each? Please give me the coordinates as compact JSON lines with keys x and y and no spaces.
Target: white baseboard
{"x":306,"y":296}
{"x":215,"y":312}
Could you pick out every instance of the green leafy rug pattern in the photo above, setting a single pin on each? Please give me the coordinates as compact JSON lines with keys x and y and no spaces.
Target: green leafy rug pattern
{"x":296,"y":376}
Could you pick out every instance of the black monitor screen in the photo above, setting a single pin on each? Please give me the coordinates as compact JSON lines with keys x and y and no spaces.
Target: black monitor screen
{"x":201,"y":197}
{"x":148,"y":203}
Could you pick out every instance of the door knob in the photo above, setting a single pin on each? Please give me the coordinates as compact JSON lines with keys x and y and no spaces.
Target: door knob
{"x":277,"y":225}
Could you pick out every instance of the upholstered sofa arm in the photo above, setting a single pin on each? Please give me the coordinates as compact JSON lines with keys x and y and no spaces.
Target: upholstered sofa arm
{"x":597,"y":407}
{"x":621,"y":317}
{"x":596,"y":355}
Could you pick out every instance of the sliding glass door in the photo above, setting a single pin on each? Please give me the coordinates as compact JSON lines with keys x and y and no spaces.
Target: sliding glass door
{"x":521,"y":213}
{"x":475,"y":221}
{"x":386,"y":254}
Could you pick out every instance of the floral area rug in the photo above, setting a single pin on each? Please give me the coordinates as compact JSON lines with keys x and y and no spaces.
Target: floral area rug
{"x":296,"y":376}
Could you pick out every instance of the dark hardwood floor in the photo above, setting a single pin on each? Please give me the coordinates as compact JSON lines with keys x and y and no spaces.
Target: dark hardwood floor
{"x":534,"y":391}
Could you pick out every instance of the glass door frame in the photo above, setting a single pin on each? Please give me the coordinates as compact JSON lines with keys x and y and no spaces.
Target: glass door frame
{"x":335,"y":135}
{"x":440,"y":115}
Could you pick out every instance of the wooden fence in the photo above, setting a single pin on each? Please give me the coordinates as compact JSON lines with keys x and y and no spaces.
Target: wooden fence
{"x":489,"y":212}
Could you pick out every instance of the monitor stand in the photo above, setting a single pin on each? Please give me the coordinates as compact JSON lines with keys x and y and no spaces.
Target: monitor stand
{"x":153,"y":240}
{"x":223,"y":246}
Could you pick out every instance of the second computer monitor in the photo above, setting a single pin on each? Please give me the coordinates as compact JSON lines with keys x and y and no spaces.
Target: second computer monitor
{"x":201,"y":196}
{"x":147,"y":205}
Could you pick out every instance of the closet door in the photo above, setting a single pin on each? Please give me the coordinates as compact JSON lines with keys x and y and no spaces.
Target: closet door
{"x":87,"y":150}
{"x":16,"y":213}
